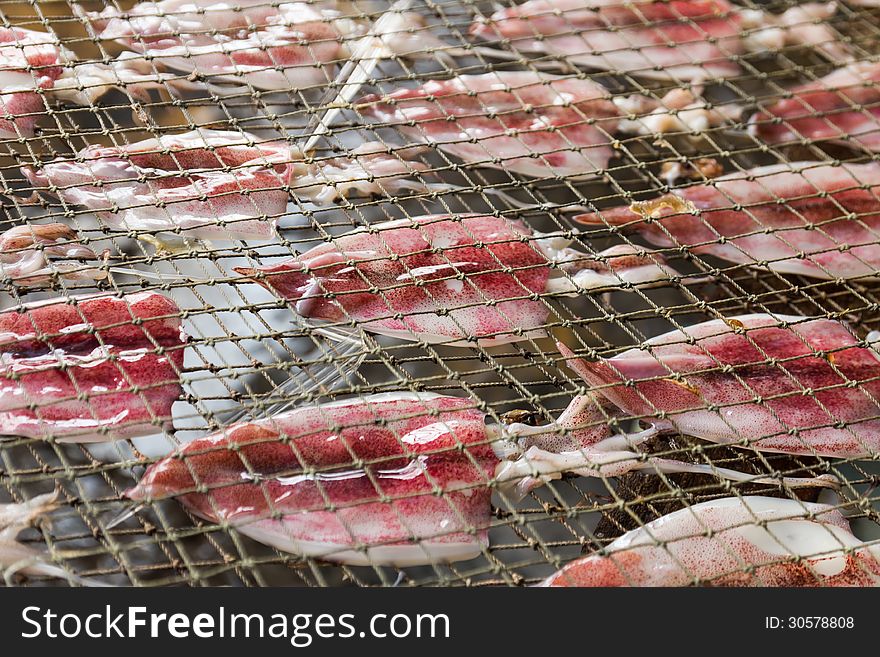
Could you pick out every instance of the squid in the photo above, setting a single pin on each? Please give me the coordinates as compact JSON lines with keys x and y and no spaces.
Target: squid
{"x":34,"y":255}
{"x":209,"y":183}
{"x":532,"y":123}
{"x":91,"y":368}
{"x":455,"y":280}
{"x":808,"y":218}
{"x":772,"y":383}
{"x":331,"y":482}
{"x":16,"y":557}
{"x":733,"y":541}
{"x":213,"y":183}
{"x":269,"y":46}
{"x":842,"y":107}
{"x":35,"y":66}
{"x":399,"y":479}
{"x":679,"y":40}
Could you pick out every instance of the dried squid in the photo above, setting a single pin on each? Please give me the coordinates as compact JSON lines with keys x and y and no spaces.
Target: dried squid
{"x":809,"y":218}
{"x":90,"y":369}
{"x":396,"y":479}
{"x":734,"y":541}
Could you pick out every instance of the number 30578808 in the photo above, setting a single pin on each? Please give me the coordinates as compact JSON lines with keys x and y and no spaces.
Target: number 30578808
{"x":810,"y":622}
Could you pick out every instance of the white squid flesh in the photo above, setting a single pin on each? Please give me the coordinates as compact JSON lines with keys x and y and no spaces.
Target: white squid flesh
{"x":773,"y":383}
{"x":734,"y":541}
{"x":216,"y":184}
{"x":533,"y":123}
{"x":809,"y":218}
{"x":16,"y":557}
{"x":688,"y":40}
{"x":270,"y":46}
{"x":33,"y":255}
{"x":357,"y":481}
{"x":459,"y":281}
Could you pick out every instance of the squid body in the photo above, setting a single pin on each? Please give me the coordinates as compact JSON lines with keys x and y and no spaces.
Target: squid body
{"x":688,"y":40}
{"x":775,"y":383}
{"x":734,"y":541}
{"x":90,"y":369}
{"x":461,"y":280}
{"x":532,"y":123}
{"x":216,"y":184}
{"x":398,"y":479}
{"x":809,"y":218}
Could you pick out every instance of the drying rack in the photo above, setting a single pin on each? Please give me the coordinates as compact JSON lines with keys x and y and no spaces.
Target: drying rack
{"x":248,"y":355}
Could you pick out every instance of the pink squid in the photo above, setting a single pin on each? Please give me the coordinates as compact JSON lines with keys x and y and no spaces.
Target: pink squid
{"x":679,"y":40}
{"x":396,"y":479}
{"x":772,"y":383}
{"x":332,"y":482}
{"x":33,"y":255}
{"x":532,"y":123}
{"x":207,"y":182}
{"x":90,"y":369}
{"x":36,"y":68}
{"x":454,"y":280}
{"x":808,"y":218}
{"x":733,"y":541}
{"x":216,"y":184}
{"x":271,"y":46}
{"x":32,"y":61}
{"x":842,"y":107}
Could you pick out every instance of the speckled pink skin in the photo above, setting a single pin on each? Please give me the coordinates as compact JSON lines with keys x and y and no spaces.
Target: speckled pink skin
{"x":766,"y":376}
{"x":247,"y":42}
{"x":394,"y":277}
{"x":843,"y":107}
{"x":357,"y":481}
{"x":339,"y":479}
{"x":512,"y":115}
{"x":623,"y":36}
{"x":769,"y":216}
{"x":29,"y":60}
{"x":210,"y":183}
{"x":816,"y":533}
{"x":69,"y":371}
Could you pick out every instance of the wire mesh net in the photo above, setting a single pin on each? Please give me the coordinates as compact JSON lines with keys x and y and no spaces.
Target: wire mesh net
{"x":248,"y":355}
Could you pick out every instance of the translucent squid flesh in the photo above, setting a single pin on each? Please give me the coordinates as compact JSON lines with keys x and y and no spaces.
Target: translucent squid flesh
{"x":90,"y":369}
{"x":215,"y":184}
{"x":269,"y":46}
{"x":454,"y":280}
{"x":31,"y":61}
{"x":531,"y":123}
{"x":357,"y":481}
{"x":265,"y":45}
{"x":16,"y":557}
{"x":734,"y":541}
{"x":686,"y":40}
{"x":332,"y":482}
{"x":842,"y":107}
{"x":34,"y":255}
{"x":210,"y":182}
{"x":773,"y":383}
{"x":35,"y":63}
{"x":806,"y":218}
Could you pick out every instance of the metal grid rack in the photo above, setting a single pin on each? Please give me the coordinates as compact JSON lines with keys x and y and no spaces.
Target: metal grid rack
{"x":248,"y":355}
